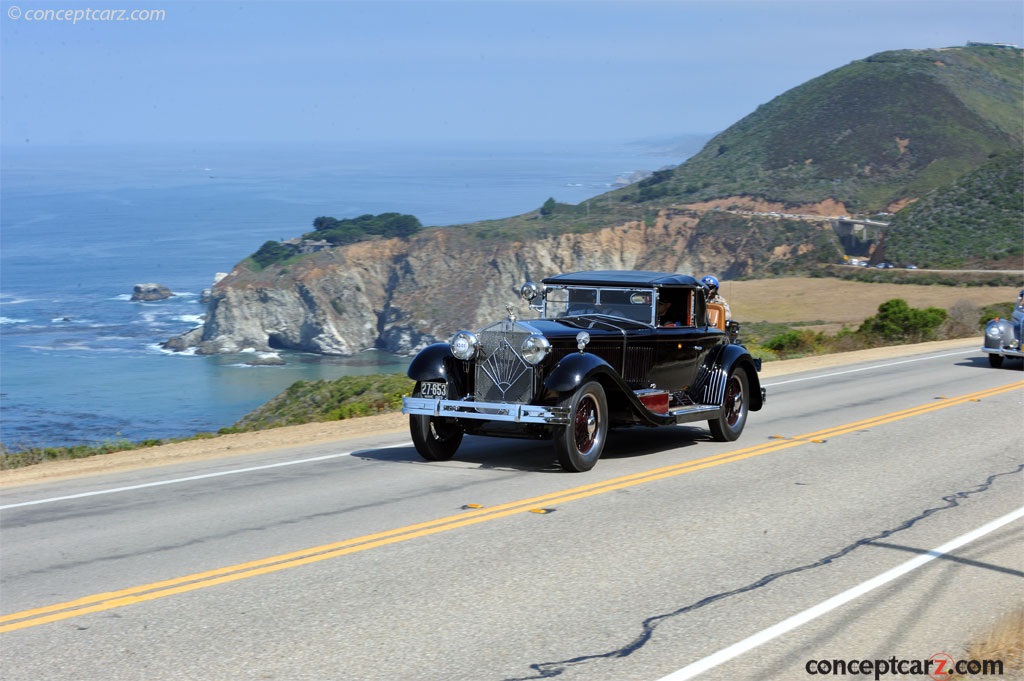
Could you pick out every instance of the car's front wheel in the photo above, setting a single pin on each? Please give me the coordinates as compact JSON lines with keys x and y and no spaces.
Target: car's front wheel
{"x":435,"y":438}
{"x":995,"y":361}
{"x":580,"y":443}
{"x":733,"y":416}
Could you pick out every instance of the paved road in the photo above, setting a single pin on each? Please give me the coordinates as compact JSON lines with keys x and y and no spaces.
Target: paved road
{"x":674,"y":557}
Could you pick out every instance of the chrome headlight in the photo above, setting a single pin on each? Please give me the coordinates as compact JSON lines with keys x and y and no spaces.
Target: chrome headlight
{"x":535,"y":348}
{"x":529,"y":291}
{"x":994,"y":329}
{"x":464,"y":344}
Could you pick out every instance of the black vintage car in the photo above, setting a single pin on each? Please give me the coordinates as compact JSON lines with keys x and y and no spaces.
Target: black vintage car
{"x":609,"y":349}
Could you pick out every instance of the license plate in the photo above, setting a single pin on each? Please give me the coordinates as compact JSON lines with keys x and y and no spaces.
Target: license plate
{"x":439,"y":390}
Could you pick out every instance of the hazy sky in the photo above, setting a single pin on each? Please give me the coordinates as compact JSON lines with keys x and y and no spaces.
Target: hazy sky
{"x":387,"y":70}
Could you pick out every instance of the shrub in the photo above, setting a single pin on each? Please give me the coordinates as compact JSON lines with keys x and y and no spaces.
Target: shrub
{"x":962,"y":320}
{"x":797,"y":343}
{"x":990,"y":312}
{"x":271,"y":252}
{"x":897,"y":321}
{"x":342,"y":398}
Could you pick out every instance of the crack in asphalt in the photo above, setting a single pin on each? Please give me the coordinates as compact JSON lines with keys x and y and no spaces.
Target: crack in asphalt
{"x":548,"y":670}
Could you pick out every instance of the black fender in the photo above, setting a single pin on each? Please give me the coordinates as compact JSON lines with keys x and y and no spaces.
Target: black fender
{"x":735,"y":356}
{"x":576,"y":369}
{"x":437,"y":363}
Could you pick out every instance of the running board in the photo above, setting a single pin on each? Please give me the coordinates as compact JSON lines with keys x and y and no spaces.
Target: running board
{"x":687,"y":413}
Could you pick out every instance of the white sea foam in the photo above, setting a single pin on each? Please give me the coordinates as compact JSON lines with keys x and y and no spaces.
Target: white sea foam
{"x":157,"y":347}
{"x":8,"y":320}
{"x":196,"y":319}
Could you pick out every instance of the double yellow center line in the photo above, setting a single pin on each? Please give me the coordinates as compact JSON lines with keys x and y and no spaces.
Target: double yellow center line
{"x":285,"y":561}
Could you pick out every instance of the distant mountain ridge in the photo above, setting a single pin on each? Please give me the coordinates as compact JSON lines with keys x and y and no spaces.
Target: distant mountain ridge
{"x":875,"y":135}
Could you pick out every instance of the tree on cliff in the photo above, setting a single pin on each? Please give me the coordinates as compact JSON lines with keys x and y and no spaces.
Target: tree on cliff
{"x":350,"y":230}
{"x":271,"y":252}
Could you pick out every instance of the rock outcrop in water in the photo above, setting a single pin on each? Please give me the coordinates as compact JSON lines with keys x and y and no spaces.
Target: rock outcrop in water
{"x":149,"y":292}
{"x":399,"y":295}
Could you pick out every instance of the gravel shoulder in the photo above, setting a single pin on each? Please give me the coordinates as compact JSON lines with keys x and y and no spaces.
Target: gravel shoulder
{"x":242,"y":444}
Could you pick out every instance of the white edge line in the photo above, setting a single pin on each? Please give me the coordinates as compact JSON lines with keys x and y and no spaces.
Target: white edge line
{"x":174,"y":481}
{"x":787,"y":625}
{"x":867,"y":368}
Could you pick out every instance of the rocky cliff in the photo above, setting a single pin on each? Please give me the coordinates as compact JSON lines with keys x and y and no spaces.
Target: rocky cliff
{"x":399,"y":295}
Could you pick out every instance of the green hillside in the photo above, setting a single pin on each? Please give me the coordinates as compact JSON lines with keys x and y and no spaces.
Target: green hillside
{"x":893,"y":126}
{"x":976,"y":221}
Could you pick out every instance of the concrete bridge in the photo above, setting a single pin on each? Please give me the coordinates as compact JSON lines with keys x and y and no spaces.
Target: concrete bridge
{"x":858,"y":236}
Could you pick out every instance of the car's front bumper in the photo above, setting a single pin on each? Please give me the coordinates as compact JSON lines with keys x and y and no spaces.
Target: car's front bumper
{"x":486,"y":411}
{"x":1006,"y":352}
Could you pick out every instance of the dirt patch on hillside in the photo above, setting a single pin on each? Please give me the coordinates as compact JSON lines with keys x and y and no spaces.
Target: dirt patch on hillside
{"x":827,"y":208}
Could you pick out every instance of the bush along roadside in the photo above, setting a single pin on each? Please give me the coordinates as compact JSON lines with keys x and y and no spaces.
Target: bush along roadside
{"x":896,"y":323}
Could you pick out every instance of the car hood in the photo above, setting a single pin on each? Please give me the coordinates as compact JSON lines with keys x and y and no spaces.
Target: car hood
{"x":595,"y":325}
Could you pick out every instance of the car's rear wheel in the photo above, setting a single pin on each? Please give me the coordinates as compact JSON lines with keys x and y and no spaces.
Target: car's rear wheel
{"x":435,"y":438}
{"x":580,"y":443}
{"x":733,"y":416}
{"x":995,"y":361}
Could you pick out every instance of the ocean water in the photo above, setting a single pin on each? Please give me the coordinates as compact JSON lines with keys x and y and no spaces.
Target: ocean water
{"x":80,"y":226}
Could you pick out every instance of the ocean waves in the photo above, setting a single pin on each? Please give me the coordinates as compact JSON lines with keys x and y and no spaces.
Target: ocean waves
{"x":81,"y":362}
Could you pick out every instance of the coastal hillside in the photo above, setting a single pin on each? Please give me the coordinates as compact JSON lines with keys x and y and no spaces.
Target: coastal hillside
{"x":977,"y":221}
{"x":401,"y":294}
{"x":874,"y":136}
{"x":871,"y":135}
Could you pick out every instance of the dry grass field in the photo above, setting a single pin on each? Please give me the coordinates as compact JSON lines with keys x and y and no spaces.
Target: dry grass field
{"x":835,"y":302}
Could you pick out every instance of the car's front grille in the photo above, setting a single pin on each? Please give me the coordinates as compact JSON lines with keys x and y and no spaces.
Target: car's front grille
{"x":502,"y":375}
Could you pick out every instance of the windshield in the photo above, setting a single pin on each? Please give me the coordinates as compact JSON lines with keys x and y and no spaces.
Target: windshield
{"x":625,"y":303}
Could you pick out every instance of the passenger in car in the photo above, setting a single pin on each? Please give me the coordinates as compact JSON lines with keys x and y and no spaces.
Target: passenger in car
{"x":717,"y":305}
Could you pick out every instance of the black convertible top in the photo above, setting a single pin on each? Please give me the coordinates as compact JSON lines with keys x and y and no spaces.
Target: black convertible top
{"x":622,"y":278}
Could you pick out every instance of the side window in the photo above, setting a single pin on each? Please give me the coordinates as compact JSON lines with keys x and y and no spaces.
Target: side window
{"x":700,"y":310}
{"x":676,"y":307}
